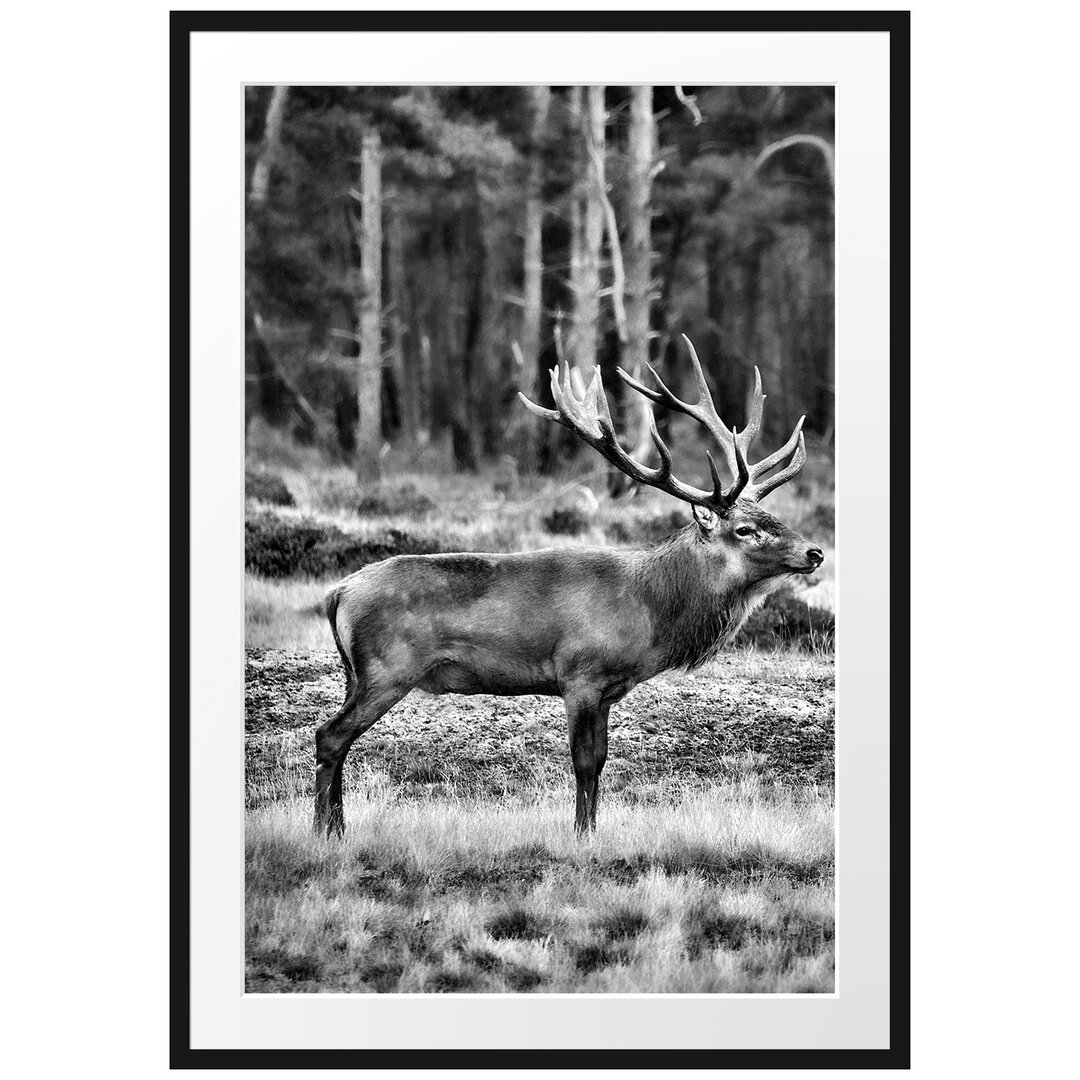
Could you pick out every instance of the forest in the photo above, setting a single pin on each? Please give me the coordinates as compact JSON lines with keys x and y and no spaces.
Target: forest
{"x":418,"y":255}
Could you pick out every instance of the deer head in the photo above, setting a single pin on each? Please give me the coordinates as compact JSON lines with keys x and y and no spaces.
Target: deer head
{"x":728,"y":516}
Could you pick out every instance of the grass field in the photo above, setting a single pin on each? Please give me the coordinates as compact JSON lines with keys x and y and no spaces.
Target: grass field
{"x":729,"y":890}
{"x":711,"y":870}
{"x":712,"y":867}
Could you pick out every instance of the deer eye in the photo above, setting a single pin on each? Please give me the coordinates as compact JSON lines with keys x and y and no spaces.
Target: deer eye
{"x":745,"y":530}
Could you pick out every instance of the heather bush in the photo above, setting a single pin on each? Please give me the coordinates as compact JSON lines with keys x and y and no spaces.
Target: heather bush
{"x":267,"y":487}
{"x":565,"y":521}
{"x":786,"y":619}
{"x":279,"y":547}
{"x":387,"y":499}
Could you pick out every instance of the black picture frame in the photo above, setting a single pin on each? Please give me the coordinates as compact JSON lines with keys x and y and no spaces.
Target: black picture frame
{"x":894,"y":23}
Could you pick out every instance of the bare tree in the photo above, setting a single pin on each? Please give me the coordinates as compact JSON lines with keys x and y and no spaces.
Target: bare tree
{"x":540,"y":100}
{"x":816,"y":141}
{"x":690,"y":101}
{"x":261,"y":353}
{"x":638,"y":255}
{"x":575,"y":98}
{"x":587,"y":289}
{"x":271,"y":146}
{"x":492,"y":364}
{"x":611,"y":227}
{"x":369,"y":311}
{"x":406,"y":375}
{"x":424,"y":381}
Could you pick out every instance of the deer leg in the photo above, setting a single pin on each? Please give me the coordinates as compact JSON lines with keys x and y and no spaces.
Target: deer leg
{"x":599,"y":758}
{"x":583,"y":717}
{"x":332,"y":743}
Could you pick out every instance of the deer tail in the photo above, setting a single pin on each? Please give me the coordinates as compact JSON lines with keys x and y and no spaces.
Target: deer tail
{"x":331,"y":605}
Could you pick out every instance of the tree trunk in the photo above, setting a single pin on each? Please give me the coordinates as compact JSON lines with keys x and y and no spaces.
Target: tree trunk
{"x":531,"y":321}
{"x":442,"y":298}
{"x":271,"y":146}
{"x":369,"y":310}
{"x":638,"y":256}
{"x":275,"y":386}
{"x":406,"y":375}
{"x":577,"y":240}
{"x":424,"y":381}
{"x":587,"y":292}
{"x":466,"y":368}
{"x":492,"y":371}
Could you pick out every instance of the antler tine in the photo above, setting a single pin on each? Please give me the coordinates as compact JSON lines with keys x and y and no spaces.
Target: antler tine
{"x":547,"y":414}
{"x":590,"y":419}
{"x":596,"y":400}
{"x":726,"y":499}
{"x":664,"y":469}
{"x":704,"y":411}
{"x":765,"y":464}
{"x":785,"y":474}
{"x":717,"y":483}
{"x":662,"y":396}
{"x":795,"y":448}
{"x":705,"y":394}
{"x":567,"y":408}
{"x":753,"y":422}
{"x":742,"y":477}
{"x":562,"y":390}
{"x":645,"y":391}
{"x":736,"y":445}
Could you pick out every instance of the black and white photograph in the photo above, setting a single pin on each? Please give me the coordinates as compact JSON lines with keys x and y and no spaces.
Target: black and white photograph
{"x":517,"y":555}
{"x":539,"y":549}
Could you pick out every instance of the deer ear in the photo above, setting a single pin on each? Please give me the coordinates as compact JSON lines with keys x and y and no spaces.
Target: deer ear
{"x":705,"y":518}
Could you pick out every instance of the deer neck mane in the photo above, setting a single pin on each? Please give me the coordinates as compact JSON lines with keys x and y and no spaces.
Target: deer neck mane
{"x":696,"y":607}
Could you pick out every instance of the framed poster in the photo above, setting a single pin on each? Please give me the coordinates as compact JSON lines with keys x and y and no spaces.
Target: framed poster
{"x":519,"y":733}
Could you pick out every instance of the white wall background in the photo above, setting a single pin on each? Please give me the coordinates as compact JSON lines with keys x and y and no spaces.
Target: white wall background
{"x":86,"y":535}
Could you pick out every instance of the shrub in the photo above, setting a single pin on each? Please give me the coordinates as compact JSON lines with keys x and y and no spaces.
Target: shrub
{"x":706,"y":927}
{"x":624,"y":923}
{"x":385,"y":499}
{"x":522,"y":979}
{"x":278,"y":962}
{"x":280,"y":547}
{"x":426,"y":772}
{"x":301,"y":969}
{"x":267,"y":487}
{"x":382,"y":975}
{"x":785,"y":619}
{"x":565,"y":521}
{"x":483,"y":959}
{"x":517,"y":922}
{"x":593,"y":956}
{"x":336,"y":491}
{"x":450,"y":982}
{"x":645,"y":528}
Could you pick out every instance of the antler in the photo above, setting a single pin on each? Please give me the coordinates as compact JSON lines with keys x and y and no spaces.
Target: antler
{"x":736,"y":446}
{"x":590,"y":419}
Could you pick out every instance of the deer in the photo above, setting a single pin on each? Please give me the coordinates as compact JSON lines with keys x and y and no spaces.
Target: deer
{"x":585,"y":624}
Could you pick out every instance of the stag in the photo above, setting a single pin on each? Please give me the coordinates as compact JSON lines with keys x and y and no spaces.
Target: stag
{"x":585,"y":624}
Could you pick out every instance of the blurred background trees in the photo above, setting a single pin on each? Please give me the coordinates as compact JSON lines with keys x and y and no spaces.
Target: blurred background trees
{"x":417,"y":255}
